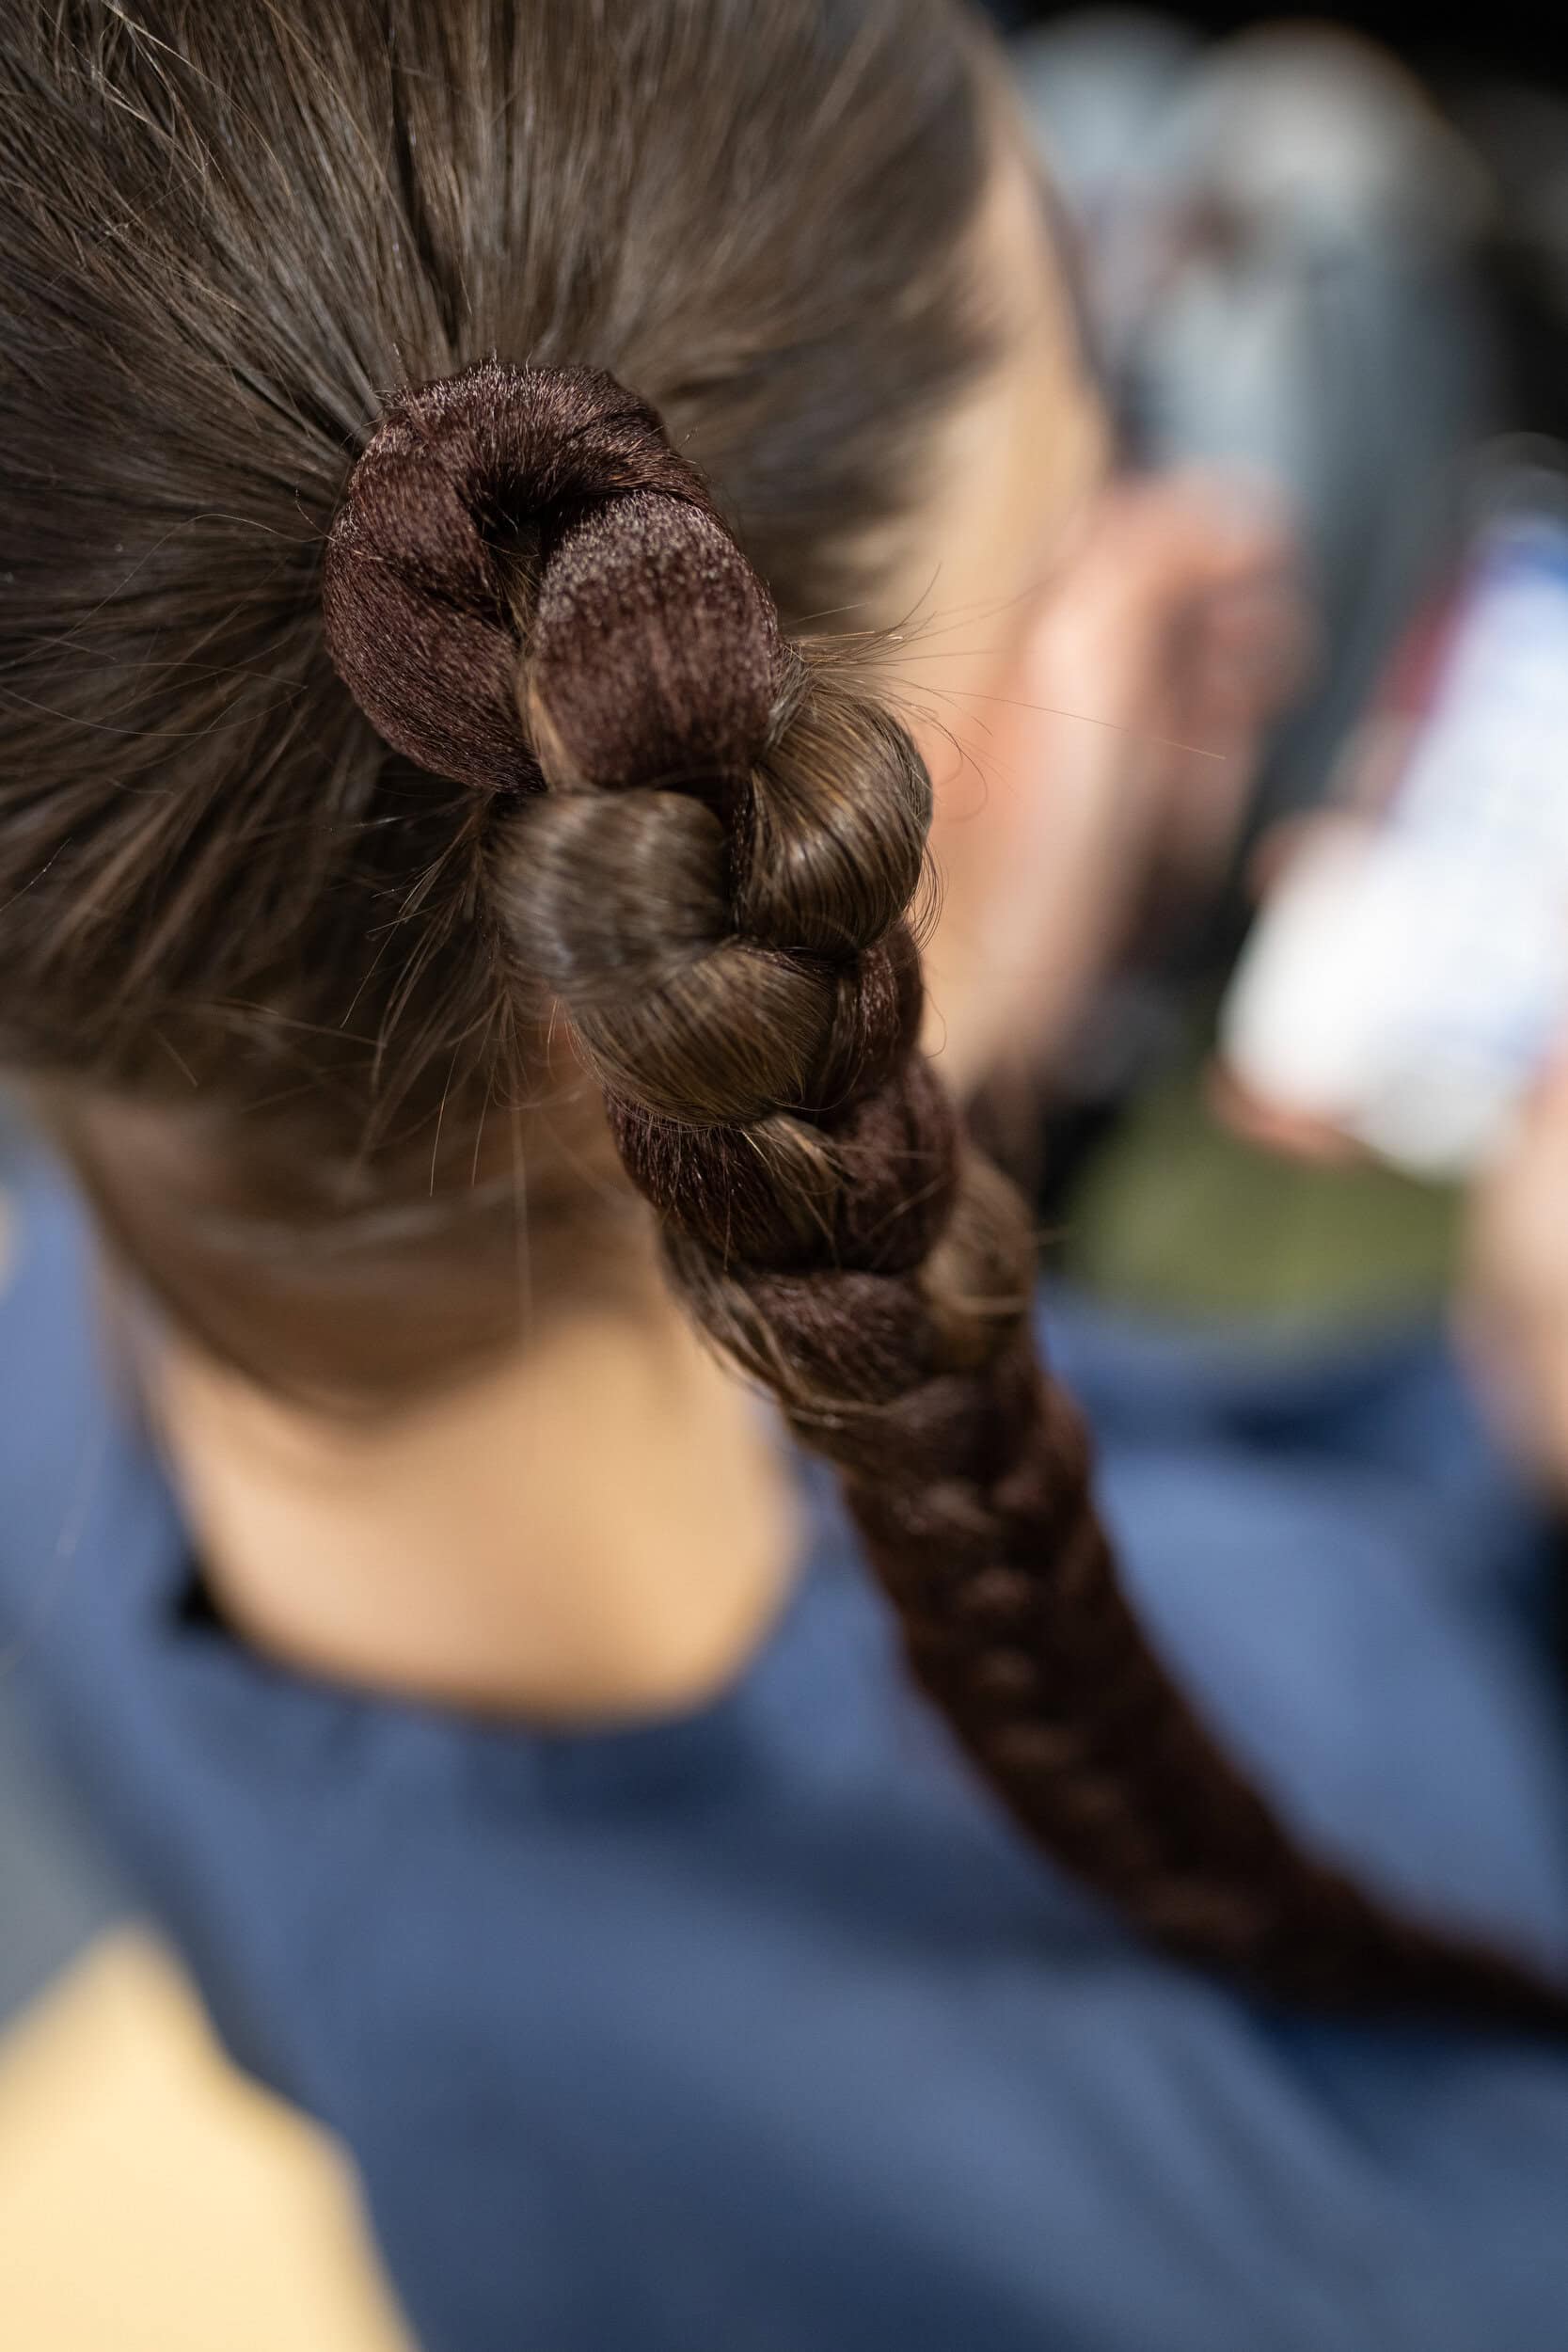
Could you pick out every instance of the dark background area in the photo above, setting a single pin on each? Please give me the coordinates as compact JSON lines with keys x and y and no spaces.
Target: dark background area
{"x":1507,"y":35}
{"x":1476,"y":65}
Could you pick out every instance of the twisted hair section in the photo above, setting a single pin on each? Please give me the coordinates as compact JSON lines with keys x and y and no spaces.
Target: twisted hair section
{"x":702,"y":846}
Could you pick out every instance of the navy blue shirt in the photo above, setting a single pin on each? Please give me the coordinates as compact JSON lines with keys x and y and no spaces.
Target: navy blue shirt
{"x":757,"y":2028}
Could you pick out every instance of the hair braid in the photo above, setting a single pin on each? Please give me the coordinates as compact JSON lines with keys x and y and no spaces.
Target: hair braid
{"x":704,"y":845}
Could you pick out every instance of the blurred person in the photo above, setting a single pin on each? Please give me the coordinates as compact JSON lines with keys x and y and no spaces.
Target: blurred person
{"x":521,"y":530}
{"x":1279,"y":233}
{"x":1279,"y":238}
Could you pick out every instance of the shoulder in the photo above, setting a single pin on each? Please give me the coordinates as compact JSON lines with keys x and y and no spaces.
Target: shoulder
{"x":1322,"y":1547}
{"x":69,"y":1441}
{"x":46,"y":1343}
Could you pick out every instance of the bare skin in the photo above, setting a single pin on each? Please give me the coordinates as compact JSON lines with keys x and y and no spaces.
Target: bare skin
{"x":603,"y":1527}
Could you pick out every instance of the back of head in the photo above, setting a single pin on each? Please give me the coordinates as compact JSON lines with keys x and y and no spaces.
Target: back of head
{"x":429,"y":438}
{"x":252,"y":951}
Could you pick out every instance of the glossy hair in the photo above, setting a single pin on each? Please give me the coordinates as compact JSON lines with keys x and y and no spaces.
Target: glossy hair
{"x":389,"y":688}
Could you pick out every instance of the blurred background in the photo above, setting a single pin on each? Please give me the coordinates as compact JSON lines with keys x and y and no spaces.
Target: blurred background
{"x":1341,"y":265}
{"x":1334,"y":254}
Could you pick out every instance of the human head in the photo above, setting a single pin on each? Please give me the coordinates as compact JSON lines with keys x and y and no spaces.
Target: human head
{"x":250,"y":913}
{"x":606,"y":441}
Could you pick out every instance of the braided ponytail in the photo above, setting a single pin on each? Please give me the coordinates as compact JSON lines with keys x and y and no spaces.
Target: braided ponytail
{"x":703,"y":845}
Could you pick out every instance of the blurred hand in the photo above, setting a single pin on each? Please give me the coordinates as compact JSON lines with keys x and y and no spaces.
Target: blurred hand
{"x":1118,"y":760}
{"x":1512,"y":1312}
{"x":1184,"y":610}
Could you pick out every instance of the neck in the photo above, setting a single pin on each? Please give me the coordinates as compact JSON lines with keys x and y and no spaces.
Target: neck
{"x":599,"y":1527}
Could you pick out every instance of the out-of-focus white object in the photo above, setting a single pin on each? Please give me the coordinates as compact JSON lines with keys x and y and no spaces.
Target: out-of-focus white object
{"x":1409,"y":977}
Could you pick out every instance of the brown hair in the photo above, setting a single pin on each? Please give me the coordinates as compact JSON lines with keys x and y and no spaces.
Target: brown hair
{"x":283,"y":959}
